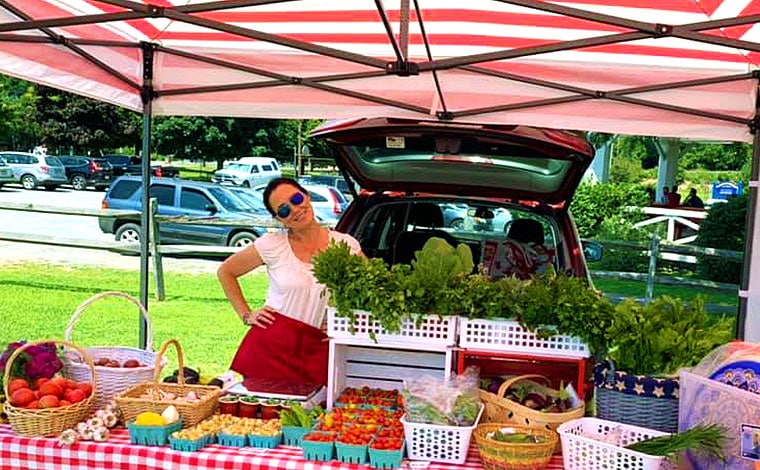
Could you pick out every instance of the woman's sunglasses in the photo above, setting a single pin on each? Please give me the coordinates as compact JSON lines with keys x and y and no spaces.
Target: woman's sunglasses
{"x":284,"y":210}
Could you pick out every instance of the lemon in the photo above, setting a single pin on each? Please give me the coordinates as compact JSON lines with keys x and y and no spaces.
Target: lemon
{"x":150,"y":418}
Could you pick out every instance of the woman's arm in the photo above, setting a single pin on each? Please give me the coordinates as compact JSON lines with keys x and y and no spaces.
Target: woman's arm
{"x":232,"y":268}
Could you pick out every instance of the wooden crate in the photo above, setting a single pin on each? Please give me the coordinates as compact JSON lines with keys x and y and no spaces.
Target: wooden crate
{"x":353,"y":365}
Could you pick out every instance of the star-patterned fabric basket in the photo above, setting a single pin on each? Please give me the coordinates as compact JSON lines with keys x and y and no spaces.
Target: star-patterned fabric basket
{"x":639,"y":400}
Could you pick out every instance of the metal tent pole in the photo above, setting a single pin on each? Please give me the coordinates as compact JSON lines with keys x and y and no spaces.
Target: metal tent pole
{"x":748,"y":320}
{"x":147,"y":98}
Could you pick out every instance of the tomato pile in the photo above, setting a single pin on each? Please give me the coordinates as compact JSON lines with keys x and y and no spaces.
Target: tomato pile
{"x":359,"y":426}
{"x":47,"y":393}
{"x":369,"y":396}
{"x":316,"y":436}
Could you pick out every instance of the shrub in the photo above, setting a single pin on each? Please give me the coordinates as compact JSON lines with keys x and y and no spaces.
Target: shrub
{"x":622,"y":259}
{"x":594,"y":203}
{"x":723,"y":228}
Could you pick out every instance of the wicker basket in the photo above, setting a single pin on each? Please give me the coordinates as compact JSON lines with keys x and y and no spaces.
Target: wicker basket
{"x":131,"y":401}
{"x":503,"y":410}
{"x":48,"y":422}
{"x":497,"y":455}
{"x":639,"y":400}
{"x":113,"y":380}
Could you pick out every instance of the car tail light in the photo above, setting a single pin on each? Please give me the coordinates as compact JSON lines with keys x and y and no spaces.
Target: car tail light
{"x":104,"y":204}
{"x":44,"y":168}
{"x":336,"y":203}
{"x":94,"y":166}
{"x":159,"y":172}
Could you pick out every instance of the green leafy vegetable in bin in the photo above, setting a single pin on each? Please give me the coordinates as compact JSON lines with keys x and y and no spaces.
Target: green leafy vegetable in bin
{"x":296,"y":416}
{"x":704,"y":440}
{"x":466,"y":409}
{"x":463,"y":412}
{"x":517,"y":438}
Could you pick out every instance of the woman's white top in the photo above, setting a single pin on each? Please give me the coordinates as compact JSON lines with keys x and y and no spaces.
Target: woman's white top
{"x":293,"y":289}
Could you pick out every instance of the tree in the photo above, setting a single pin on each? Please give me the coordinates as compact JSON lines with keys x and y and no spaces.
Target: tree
{"x":18,"y":130}
{"x":73,"y":123}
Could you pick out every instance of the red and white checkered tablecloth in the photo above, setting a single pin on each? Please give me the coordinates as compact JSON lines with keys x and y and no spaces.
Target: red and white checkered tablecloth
{"x":34,"y":453}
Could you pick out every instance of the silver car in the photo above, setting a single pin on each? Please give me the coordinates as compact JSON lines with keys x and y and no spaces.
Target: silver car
{"x":6,"y":174}
{"x":32,"y":170}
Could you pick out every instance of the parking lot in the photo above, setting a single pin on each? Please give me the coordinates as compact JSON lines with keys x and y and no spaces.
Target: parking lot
{"x":71,"y":227}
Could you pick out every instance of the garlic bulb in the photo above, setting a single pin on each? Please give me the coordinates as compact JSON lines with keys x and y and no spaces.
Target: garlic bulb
{"x":85,"y":432}
{"x":95,"y":422}
{"x":67,"y":437}
{"x":100,"y":434}
{"x":109,"y":419}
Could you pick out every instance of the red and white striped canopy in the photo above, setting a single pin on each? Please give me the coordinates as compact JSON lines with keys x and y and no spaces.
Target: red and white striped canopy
{"x":652,"y":67}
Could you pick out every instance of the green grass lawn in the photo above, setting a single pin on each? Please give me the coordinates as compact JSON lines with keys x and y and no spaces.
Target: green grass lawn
{"x":37,"y":302}
{"x":638,"y":289}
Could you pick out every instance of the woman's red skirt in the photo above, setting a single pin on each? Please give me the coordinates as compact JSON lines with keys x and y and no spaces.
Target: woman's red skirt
{"x":286,"y":357}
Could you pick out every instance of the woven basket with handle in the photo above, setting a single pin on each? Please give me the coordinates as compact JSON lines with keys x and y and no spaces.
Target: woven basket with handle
{"x":499,"y":409}
{"x":48,"y":422}
{"x":497,"y":455}
{"x":113,"y":380}
{"x":148,"y":397}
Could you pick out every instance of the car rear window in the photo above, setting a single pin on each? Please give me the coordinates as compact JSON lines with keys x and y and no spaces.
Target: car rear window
{"x":118,"y":160}
{"x":164,"y":194}
{"x":53,"y":161}
{"x":124,"y":189}
{"x":316,"y":197}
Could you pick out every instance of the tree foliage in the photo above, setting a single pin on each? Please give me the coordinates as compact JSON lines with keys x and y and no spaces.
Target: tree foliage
{"x":714,"y":157}
{"x":72,"y":123}
{"x":594,"y":203}
{"x":18,"y":101}
{"x":724,"y":227}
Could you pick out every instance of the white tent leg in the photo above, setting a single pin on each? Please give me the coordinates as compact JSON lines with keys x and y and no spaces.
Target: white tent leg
{"x":667,"y":168}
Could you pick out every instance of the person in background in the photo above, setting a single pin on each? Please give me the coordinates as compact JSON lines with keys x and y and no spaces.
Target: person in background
{"x":693,"y":200}
{"x":664,"y":197}
{"x":674,"y":199}
{"x":285,"y":343}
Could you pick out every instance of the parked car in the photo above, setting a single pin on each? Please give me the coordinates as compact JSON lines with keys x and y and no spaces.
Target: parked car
{"x":328,"y":202}
{"x":6,"y":174}
{"x":132,"y":165}
{"x":412,"y":172}
{"x":248,"y":172}
{"x":177,"y":197}
{"x":32,"y":170}
{"x":87,"y":171}
{"x":335,"y":181}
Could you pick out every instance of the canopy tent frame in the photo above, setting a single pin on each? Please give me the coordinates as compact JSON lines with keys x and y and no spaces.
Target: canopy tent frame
{"x":17,"y":32}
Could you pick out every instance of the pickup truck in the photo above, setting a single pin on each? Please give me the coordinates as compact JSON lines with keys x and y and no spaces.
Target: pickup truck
{"x":131,"y":165}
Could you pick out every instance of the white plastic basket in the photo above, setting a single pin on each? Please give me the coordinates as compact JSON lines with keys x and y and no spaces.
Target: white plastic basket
{"x":583,"y":449}
{"x":510,"y":336}
{"x":437,"y":443}
{"x":112,"y":380}
{"x":432,"y":331}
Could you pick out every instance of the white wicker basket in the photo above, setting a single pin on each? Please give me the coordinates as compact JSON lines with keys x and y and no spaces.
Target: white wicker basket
{"x":112,"y":380}
{"x":432,"y":331}
{"x":510,"y":336}
{"x":436,"y":443}
{"x":583,"y":449}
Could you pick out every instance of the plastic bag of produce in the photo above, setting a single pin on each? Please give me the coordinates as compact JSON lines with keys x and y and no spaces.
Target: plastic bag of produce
{"x":452,"y":402}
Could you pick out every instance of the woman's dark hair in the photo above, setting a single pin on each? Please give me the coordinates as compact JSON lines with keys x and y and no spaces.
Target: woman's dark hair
{"x":276,"y":183}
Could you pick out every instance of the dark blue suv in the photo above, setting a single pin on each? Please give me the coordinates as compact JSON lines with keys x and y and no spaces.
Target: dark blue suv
{"x":178,"y":197}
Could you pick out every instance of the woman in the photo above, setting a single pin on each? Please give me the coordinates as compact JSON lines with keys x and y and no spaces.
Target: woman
{"x":285,"y":345}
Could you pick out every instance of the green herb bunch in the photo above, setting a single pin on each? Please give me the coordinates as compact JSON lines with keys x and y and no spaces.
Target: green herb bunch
{"x":664,"y":335}
{"x":555,"y":303}
{"x":707,"y":441}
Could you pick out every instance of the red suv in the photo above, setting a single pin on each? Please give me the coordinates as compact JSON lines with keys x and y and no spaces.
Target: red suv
{"x":474,"y":184}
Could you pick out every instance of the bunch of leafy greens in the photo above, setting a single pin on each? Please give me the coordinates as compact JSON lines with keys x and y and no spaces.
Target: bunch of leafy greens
{"x":438,"y":268}
{"x":554,"y":303}
{"x":663,"y":336}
